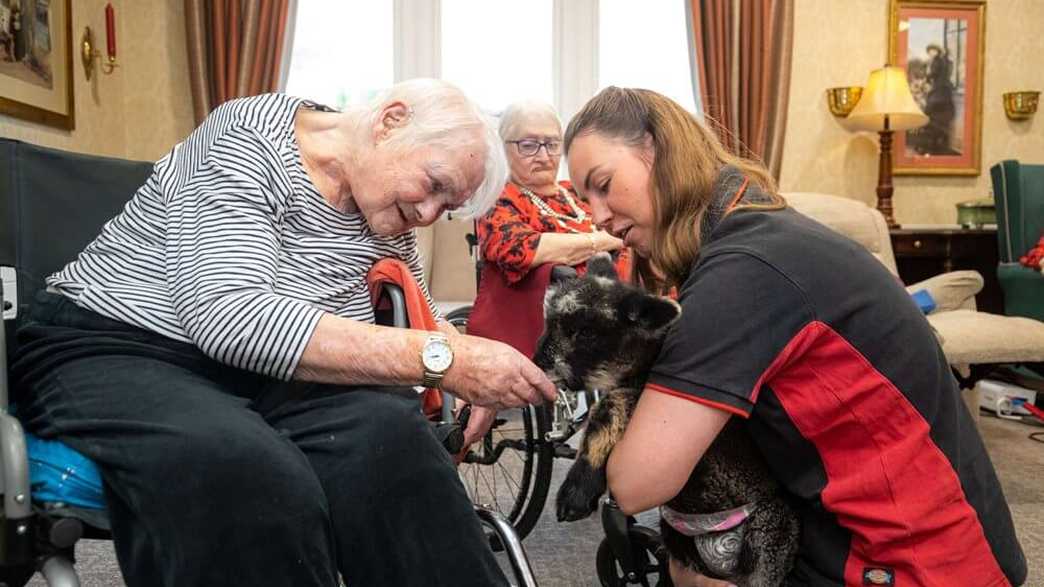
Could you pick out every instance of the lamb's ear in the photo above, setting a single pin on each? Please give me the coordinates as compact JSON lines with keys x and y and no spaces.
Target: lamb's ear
{"x":601,"y":265}
{"x":651,"y":313}
{"x":548,"y":294}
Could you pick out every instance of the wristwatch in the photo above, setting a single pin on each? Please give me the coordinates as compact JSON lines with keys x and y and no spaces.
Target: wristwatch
{"x":436,"y":356}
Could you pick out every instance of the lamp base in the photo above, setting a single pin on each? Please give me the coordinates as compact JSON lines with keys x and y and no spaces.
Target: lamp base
{"x":884,"y":179}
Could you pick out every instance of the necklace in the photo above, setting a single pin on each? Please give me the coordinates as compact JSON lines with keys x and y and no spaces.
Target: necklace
{"x":579,"y":216}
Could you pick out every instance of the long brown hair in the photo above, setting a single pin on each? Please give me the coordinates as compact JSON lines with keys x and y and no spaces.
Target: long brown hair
{"x":687,"y":159}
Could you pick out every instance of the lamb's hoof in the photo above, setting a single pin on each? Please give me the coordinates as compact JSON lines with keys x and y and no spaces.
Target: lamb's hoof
{"x":579,"y":493}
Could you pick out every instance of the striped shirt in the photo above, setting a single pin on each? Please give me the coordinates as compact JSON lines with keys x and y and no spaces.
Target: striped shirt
{"x":230,"y":246}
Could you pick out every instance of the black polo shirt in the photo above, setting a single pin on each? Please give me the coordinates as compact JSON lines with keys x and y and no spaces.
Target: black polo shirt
{"x":848,"y":395}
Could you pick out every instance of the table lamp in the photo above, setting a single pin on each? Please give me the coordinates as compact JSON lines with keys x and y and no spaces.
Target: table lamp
{"x":886,"y":106}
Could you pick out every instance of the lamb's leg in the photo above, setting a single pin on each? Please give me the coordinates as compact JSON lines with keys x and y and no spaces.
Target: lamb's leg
{"x":585,"y":482}
{"x":773,"y":537}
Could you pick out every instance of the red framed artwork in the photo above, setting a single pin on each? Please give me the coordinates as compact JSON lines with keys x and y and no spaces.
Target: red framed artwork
{"x":940,"y":45}
{"x":36,"y":66}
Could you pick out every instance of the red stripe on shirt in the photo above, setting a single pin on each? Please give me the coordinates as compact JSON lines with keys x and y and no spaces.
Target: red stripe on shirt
{"x":887,"y":482}
{"x":699,"y":400}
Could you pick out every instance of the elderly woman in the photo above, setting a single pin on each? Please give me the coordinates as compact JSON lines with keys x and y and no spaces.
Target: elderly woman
{"x":536,"y":223}
{"x":213,"y":350}
{"x":537,"y":219}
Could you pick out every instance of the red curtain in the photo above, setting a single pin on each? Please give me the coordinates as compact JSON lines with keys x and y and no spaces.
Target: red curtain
{"x":743,"y":53}
{"x":235,"y":48}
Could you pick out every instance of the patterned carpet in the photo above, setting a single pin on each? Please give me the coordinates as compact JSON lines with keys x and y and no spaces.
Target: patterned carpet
{"x":563,"y":555}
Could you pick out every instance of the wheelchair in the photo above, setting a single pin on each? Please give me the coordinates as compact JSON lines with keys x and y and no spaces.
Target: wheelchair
{"x":35,"y":241}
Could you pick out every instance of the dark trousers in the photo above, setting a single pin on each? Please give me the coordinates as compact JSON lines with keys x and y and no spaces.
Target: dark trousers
{"x":216,"y":476}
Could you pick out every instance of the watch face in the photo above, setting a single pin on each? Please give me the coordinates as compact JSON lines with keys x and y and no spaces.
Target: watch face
{"x":437,"y":356}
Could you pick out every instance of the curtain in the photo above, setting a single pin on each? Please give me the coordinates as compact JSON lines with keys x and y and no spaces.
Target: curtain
{"x":235,"y":49}
{"x":741,"y":54}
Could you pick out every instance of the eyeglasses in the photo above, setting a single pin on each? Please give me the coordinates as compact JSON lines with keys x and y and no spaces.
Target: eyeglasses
{"x":530,"y":147}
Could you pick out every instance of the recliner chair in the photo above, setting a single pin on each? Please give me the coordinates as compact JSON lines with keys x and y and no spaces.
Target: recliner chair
{"x":974,"y":342}
{"x":1018,"y":190}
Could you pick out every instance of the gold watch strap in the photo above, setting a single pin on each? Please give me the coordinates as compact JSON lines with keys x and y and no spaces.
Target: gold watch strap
{"x":431,"y":379}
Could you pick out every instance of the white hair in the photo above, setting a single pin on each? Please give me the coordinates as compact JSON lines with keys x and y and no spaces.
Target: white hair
{"x":518,"y":113}
{"x":441,"y":115}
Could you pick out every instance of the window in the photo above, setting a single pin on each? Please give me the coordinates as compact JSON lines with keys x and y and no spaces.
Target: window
{"x":498,"y":51}
{"x":646,"y":45}
{"x":342,"y":52}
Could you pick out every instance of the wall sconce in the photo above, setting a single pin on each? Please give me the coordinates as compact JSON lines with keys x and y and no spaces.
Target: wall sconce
{"x":89,"y":52}
{"x":1021,"y":105}
{"x":843,"y":100}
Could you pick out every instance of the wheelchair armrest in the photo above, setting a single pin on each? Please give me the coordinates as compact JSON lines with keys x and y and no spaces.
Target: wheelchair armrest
{"x":395,"y":295}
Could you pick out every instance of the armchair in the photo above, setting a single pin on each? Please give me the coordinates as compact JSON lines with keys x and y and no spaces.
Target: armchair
{"x":1019,"y":191}
{"x":972,"y":341}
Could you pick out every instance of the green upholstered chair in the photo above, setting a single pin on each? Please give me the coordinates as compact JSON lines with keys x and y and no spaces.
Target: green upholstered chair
{"x":1019,"y":192}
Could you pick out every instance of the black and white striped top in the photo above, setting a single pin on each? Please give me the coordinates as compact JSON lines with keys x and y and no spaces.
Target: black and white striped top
{"x":229,"y":246}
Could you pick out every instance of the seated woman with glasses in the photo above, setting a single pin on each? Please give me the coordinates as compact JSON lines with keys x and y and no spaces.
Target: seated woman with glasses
{"x":537,"y":222}
{"x":537,"y":219}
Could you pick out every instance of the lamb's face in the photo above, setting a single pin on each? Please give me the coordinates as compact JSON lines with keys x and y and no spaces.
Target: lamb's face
{"x":599,"y":332}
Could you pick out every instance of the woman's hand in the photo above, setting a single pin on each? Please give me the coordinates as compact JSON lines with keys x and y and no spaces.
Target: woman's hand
{"x":683,"y":576}
{"x":573,"y":249}
{"x":492,"y":374}
{"x":479,"y":423}
{"x":606,"y":242}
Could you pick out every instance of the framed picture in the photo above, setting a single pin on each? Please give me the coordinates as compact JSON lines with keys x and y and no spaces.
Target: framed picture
{"x":941,"y":45}
{"x":36,"y":66}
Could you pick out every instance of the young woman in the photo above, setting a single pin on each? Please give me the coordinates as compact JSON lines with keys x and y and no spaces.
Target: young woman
{"x":804,"y":334}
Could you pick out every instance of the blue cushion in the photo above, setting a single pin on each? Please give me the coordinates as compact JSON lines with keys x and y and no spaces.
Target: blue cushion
{"x":58,"y":473}
{"x":924,"y":300}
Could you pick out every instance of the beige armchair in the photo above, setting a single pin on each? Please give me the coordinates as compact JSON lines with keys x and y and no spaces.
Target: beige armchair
{"x":971,"y":340}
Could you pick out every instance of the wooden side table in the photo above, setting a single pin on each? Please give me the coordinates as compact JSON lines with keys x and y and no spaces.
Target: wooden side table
{"x":921,"y":253}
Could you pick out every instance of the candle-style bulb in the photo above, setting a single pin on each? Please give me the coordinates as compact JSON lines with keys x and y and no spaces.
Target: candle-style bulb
{"x":110,"y":31}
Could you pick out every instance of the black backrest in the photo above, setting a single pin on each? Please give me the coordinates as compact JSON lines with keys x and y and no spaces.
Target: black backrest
{"x":52,"y":204}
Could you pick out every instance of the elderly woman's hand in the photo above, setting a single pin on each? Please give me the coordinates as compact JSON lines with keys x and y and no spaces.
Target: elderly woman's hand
{"x":683,"y":576}
{"x":606,"y":242}
{"x":493,"y":374}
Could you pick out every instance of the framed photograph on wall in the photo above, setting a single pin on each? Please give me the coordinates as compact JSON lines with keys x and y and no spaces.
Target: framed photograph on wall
{"x":940,"y":45}
{"x":36,"y":66}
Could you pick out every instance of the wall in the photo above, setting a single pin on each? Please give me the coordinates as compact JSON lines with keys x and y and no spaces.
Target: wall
{"x":838,"y":43}
{"x":144,"y":106}
{"x":156,"y":94}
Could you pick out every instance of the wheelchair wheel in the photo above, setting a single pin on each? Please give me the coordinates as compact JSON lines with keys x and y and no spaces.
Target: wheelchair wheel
{"x":650,"y":559}
{"x":509,"y":471}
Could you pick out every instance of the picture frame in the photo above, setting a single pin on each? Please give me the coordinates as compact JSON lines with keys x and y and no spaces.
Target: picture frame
{"x":941,"y":46}
{"x":36,"y":64}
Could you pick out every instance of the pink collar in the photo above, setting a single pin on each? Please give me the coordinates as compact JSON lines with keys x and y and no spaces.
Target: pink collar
{"x":699,"y":524}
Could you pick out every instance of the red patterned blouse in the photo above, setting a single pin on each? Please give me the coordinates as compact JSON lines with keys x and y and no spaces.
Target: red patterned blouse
{"x":510,"y":232}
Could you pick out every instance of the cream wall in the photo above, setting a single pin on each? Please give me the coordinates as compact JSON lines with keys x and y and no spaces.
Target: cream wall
{"x":144,"y":107}
{"x":837,"y":43}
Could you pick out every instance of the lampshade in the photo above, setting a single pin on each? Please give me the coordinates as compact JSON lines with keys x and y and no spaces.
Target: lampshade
{"x":887,"y":94}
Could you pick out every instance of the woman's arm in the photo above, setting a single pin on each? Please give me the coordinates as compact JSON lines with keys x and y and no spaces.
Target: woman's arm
{"x":573,"y":249}
{"x":666,"y":437}
{"x":484,"y":372}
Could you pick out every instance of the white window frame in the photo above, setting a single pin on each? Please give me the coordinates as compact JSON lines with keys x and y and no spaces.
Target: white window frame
{"x":418,"y":48}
